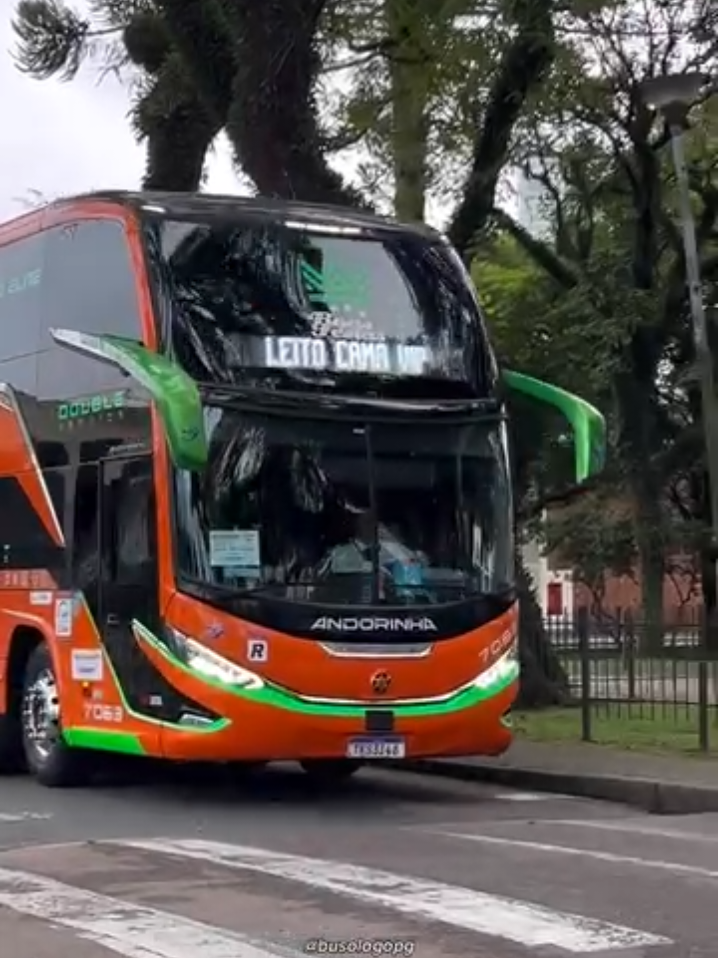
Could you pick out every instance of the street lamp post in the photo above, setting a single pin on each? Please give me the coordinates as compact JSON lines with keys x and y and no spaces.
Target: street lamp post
{"x":673,"y":96}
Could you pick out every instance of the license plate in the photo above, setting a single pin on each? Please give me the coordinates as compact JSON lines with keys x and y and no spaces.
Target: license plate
{"x":376,"y":748}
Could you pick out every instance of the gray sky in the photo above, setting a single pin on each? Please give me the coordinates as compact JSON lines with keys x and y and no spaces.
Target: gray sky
{"x":62,"y":138}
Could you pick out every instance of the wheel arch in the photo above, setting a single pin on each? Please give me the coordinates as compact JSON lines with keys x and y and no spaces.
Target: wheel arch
{"x":25,"y":638}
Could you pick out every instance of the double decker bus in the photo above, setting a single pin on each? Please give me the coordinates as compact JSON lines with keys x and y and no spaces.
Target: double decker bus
{"x":254,"y":487}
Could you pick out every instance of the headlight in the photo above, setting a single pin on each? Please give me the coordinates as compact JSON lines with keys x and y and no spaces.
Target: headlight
{"x":211,"y":665}
{"x":504,"y":670}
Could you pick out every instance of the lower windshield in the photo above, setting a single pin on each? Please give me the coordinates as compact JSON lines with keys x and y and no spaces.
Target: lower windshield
{"x":344,"y":513}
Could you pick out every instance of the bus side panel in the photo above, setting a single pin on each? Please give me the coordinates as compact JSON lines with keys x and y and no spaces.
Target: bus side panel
{"x":91,"y":697}
{"x":55,"y":422}
{"x":18,"y":460}
{"x":94,"y":709}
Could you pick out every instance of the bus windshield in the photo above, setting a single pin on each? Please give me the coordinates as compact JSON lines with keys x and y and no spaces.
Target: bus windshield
{"x":264,"y":302}
{"x":344,"y":512}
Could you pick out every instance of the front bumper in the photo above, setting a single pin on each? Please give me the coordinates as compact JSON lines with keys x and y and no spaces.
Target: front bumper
{"x":259,"y":722}
{"x":261,"y":733}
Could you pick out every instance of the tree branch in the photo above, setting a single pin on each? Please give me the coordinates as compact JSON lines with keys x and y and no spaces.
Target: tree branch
{"x":540,"y":252}
{"x":200,"y":32}
{"x":178,"y":130}
{"x":524,"y":66}
{"x":563,"y":498}
{"x":273,"y":122}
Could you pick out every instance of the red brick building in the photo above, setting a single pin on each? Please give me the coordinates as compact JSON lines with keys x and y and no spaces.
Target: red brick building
{"x":614,"y":594}
{"x":681,"y":596}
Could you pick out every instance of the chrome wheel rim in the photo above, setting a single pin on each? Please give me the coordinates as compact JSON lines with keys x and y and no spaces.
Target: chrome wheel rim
{"x":41,"y":714}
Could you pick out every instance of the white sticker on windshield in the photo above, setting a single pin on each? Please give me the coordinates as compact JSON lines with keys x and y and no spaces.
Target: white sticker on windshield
{"x":234,"y":547}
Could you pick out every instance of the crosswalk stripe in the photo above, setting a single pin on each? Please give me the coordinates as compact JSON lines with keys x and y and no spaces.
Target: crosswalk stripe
{"x":132,"y":931}
{"x":24,"y":816}
{"x":521,"y":922}
{"x":636,"y":828}
{"x":613,"y":858}
{"x":526,"y":797}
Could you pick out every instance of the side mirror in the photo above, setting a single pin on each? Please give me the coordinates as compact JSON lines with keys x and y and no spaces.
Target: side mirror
{"x":175,"y":393}
{"x":587,"y":423}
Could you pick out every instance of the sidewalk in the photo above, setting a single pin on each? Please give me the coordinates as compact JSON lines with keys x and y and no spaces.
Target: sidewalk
{"x":659,"y":784}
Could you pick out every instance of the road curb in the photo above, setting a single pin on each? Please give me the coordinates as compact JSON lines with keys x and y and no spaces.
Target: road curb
{"x":656,"y":797}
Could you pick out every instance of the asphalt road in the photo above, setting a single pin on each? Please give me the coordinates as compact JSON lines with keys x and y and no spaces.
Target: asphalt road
{"x":391,"y":864}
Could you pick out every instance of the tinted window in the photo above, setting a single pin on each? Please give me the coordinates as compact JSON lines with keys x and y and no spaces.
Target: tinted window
{"x":89,"y":280}
{"x":64,"y":375}
{"x":130,"y":515}
{"x":22,"y":279}
{"x":86,"y":534}
{"x":338,"y":512}
{"x":89,"y":286}
{"x":271,"y":300}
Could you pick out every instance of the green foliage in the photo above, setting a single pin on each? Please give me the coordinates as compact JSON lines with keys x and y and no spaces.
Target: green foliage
{"x":594,"y":536}
{"x":525,"y":309}
{"x":445,"y":51}
{"x":53,"y":39}
{"x":540,"y":328}
{"x":611,"y":275}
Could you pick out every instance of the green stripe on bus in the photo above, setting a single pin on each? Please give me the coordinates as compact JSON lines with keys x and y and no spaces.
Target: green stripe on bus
{"x":103,"y":740}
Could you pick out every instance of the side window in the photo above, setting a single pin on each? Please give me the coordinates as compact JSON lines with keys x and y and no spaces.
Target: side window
{"x":129,"y":539}
{"x":22,"y":278}
{"x":89,"y":286}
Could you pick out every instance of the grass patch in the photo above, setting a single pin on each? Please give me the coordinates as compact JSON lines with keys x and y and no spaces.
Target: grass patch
{"x":629,"y":728}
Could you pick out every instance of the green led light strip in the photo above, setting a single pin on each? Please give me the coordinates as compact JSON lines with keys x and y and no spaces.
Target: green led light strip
{"x":278,"y":698}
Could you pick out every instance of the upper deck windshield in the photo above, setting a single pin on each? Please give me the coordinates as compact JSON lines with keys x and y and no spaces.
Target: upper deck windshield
{"x":266,"y":302}
{"x":345,"y":513}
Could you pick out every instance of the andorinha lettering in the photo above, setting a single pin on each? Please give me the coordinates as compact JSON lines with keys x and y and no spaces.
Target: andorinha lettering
{"x":344,"y":355}
{"x":374,"y":624}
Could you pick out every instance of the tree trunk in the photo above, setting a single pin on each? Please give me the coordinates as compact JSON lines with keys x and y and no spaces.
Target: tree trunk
{"x":652,"y":575}
{"x":651,"y":550}
{"x":171,"y":115}
{"x":177,"y":146}
{"x":409,"y":71}
{"x":710,"y":598}
{"x":708,"y":557}
{"x":543,"y":679}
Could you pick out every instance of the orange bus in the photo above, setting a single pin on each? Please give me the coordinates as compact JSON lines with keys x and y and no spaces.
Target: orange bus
{"x":256,"y":499}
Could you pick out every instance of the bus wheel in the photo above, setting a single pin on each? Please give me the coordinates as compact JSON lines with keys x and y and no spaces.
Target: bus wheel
{"x":330,"y":771}
{"x":52,"y":762}
{"x":12,"y":756}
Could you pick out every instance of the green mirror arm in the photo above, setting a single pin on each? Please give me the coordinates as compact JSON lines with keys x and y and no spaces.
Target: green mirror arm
{"x":588,"y":424}
{"x":174,"y":392}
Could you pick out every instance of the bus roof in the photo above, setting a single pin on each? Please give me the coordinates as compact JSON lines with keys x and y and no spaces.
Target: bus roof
{"x":191,"y":205}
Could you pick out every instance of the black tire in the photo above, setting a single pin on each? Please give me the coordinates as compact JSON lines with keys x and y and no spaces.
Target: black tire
{"x":330,"y":771}
{"x":49,"y":759}
{"x":246,"y":769}
{"x":12,"y":755}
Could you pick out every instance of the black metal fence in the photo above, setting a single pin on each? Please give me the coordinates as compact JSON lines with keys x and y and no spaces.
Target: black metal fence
{"x":628,"y":677}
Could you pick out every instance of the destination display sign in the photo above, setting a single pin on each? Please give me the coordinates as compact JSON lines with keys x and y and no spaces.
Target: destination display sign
{"x":265,"y":298}
{"x":346,"y":355}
